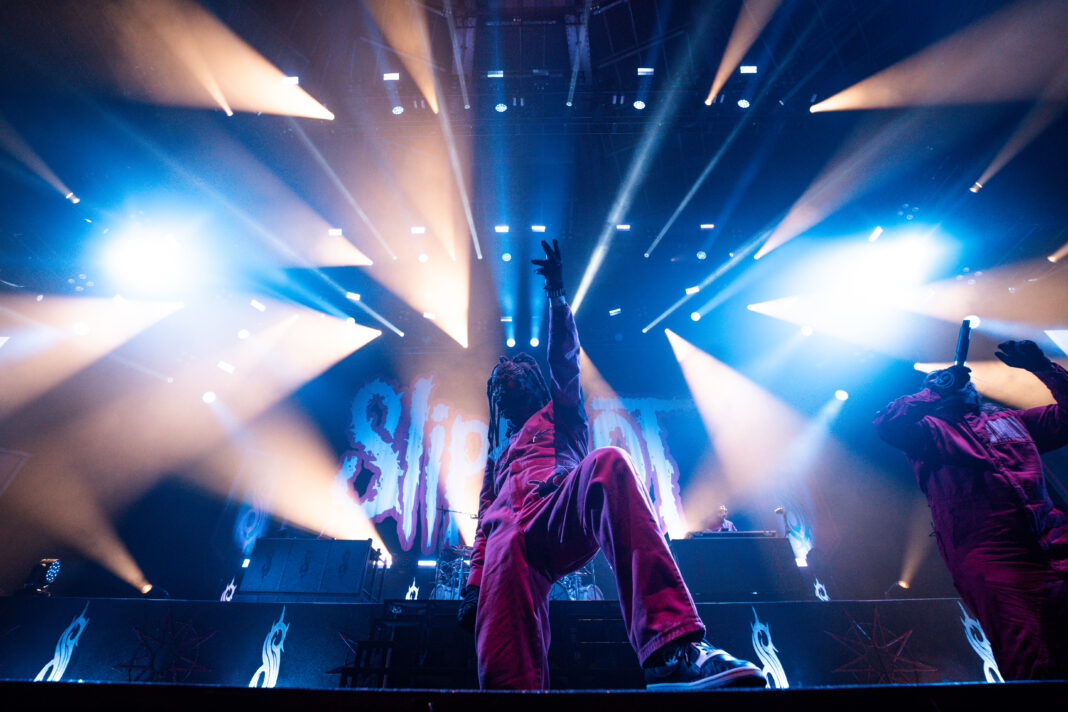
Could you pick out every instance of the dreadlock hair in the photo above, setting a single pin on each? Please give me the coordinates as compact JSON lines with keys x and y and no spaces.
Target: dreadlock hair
{"x":524,"y":369}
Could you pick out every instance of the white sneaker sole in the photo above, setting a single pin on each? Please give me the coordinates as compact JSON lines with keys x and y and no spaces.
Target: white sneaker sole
{"x":739,"y":677}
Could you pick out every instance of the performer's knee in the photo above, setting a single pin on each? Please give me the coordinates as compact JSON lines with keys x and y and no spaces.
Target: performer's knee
{"x":613,"y":468}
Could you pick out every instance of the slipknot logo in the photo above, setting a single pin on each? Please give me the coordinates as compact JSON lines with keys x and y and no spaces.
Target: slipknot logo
{"x":425,"y":457}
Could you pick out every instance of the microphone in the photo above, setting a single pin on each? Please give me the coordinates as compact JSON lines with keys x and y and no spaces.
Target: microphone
{"x":963,"y":339}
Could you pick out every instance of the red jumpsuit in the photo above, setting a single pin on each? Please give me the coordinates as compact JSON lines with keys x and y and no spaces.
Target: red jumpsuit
{"x":1004,"y":542}
{"x":547,"y":504}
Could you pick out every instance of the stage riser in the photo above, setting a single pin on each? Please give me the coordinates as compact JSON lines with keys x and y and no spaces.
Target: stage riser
{"x":817,"y":643}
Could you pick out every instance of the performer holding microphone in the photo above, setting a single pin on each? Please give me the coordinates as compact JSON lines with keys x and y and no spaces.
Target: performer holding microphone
{"x":1001,"y":537}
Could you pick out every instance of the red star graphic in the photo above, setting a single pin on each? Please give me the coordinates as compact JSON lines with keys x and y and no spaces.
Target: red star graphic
{"x":879,"y":658}
{"x":169,"y":656}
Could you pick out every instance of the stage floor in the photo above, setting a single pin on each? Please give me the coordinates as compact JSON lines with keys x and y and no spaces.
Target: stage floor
{"x":417,"y":644}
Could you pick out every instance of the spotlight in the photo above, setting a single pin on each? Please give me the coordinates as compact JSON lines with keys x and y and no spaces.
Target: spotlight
{"x":977,"y":187}
{"x":614,"y":312}
{"x":806,"y":330}
{"x":245,"y":563}
{"x":398,"y":110}
{"x":692,"y":290}
{"x":534,"y":342}
{"x":146,"y":587}
{"x":506,"y":257}
{"x":639,"y":104}
{"x":426,"y":563}
{"x":226,"y":367}
{"x":73,"y":198}
{"x":495,"y":74}
{"x":334,"y":232}
{"x":42,"y":576}
{"x":208,"y":397}
{"x":973,"y":321}
{"x":243,"y":334}
{"x":696,"y":316}
{"x":569,"y":103}
{"x":291,"y":81}
{"x":418,"y":229}
{"x":707,"y":226}
{"x":1051,"y":258}
{"x":624,"y":227}
{"x":506,"y":320}
{"x":701,"y":254}
{"x":353,"y":296}
{"x":148,"y":262}
{"x":743,"y":103}
{"x":257,"y":305}
{"x":391,"y":77}
{"x":747,"y":69}
{"x":81,"y":328}
{"x":430,"y":315}
{"x":645,"y":71}
{"x":875,"y":233}
{"x":501,"y":108}
{"x":500,"y":228}
{"x":537,"y":228}
{"x":510,"y":342}
{"x":841,"y":395}
{"x":423,"y":257}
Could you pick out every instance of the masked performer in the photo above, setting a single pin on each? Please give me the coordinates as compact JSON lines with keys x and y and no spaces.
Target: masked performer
{"x":547,"y":505}
{"x":1003,"y":540}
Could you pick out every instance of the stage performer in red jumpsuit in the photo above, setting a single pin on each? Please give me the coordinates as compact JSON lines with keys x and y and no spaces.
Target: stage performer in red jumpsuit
{"x":547,"y":505}
{"x":1002,"y":538}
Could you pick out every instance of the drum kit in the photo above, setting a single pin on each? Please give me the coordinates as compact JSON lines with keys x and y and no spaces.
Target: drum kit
{"x":455,"y":562}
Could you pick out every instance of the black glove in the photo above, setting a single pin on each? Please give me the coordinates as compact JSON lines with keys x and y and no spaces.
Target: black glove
{"x":948,"y":380}
{"x":552,"y":269}
{"x":468,"y":607}
{"x":1023,"y":354}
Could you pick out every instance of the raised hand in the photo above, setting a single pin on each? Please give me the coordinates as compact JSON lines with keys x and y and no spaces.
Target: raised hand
{"x":1022,"y":354}
{"x":551,"y":268}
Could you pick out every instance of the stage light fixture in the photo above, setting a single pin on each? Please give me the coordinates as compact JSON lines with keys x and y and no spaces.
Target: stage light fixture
{"x":423,"y":257}
{"x":398,"y":110}
{"x":841,"y":395}
{"x":537,"y":228}
{"x":534,"y":342}
{"x":226,"y":367}
{"x":973,"y":320}
{"x":639,"y":104}
{"x":696,"y":316}
{"x":208,"y":397}
{"x":875,"y":233}
{"x":334,"y":232}
{"x":495,"y":74}
{"x":81,"y":328}
{"x":430,"y":315}
{"x":743,"y":103}
{"x":707,"y":226}
{"x":500,"y":228}
{"x":291,"y":81}
{"x":806,"y":330}
{"x":418,"y":229}
{"x":506,"y":257}
{"x":257,"y":305}
{"x":74,"y":199}
{"x":352,"y":296}
{"x":501,"y":108}
{"x":693,"y":290}
{"x":243,"y":334}
{"x":506,"y":320}
{"x":391,"y":77}
{"x":623,"y":226}
{"x":747,"y":69}
{"x":146,"y":588}
{"x":701,"y":254}
{"x":427,"y":563}
{"x":614,"y":312}
{"x":645,"y":71}
{"x":245,"y":563}
{"x":510,"y":342}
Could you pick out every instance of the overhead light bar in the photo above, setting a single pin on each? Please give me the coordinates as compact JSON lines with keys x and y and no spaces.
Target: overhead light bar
{"x":391,"y":77}
{"x":495,"y":74}
{"x":747,"y":69}
{"x":645,"y":71}
{"x":537,"y":228}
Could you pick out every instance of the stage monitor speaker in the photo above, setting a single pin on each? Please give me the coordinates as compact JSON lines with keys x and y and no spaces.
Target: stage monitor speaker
{"x":739,"y":568}
{"x":320,"y":570}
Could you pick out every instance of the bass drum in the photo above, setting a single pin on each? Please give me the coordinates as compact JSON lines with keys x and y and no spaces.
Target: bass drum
{"x":444,"y":593}
{"x":559,"y":592}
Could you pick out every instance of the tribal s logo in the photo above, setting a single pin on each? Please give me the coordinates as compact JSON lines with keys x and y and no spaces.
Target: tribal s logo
{"x":228,"y":592}
{"x":272,"y":653}
{"x":977,"y":639}
{"x":53,"y":671}
{"x":413,"y":592}
{"x":768,"y":654}
{"x":821,"y":591}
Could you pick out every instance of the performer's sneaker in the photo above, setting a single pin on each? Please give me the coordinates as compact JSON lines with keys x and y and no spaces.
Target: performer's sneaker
{"x":699,"y":666}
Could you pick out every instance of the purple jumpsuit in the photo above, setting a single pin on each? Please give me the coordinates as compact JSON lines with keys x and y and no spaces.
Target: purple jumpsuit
{"x":547,"y":504}
{"x":1004,"y":542}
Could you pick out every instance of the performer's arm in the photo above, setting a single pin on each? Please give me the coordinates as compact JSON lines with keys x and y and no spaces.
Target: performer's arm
{"x":1048,"y":425}
{"x":563,"y":357}
{"x":478,"y":552}
{"x":899,"y":423}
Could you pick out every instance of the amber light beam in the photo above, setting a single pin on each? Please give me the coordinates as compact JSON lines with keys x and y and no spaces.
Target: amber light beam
{"x":752,"y":19}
